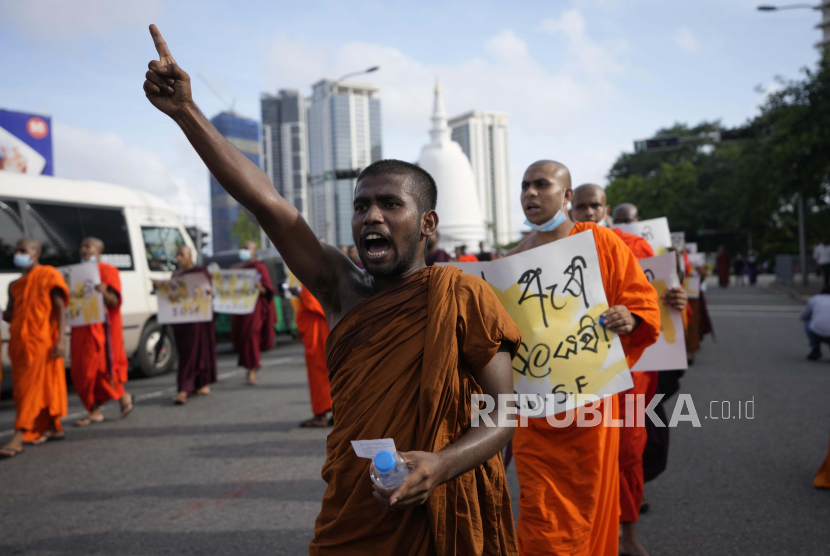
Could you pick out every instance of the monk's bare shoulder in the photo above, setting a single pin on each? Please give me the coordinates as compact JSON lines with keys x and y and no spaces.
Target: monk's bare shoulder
{"x":529,"y":242}
{"x":354,"y":286}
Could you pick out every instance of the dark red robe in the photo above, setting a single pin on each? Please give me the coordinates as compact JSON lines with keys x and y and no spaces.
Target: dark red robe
{"x":253,"y":333}
{"x":196,"y":342}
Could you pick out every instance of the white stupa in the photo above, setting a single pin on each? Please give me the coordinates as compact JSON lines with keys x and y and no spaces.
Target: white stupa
{"x":460,"y":219}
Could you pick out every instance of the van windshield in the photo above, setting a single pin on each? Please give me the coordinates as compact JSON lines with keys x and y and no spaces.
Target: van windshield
{"x":160,"y":244}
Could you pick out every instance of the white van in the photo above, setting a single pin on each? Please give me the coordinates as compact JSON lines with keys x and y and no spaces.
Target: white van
{"x":140,"y":232}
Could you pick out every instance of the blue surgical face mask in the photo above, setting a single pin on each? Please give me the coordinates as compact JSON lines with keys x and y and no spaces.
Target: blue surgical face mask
{"x":244,"y":255}
{"x":558,"y":219}
{"x":22,"y":260}
{"x":92,"y":259}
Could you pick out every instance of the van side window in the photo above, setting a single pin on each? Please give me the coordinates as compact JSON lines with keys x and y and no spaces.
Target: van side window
{"x":58,"y":229}
{"x":109,"y":226}
{"x":160,"y":244}
{"x":11,"y":231}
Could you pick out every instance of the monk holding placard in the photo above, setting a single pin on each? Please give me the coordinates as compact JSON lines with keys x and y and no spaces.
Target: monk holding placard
{"x":254,"y":332}
{"x":409,"y":346}
{"x":195,"y":342}
{"x":37,"y":341}
{"x":99,"y":362}
{"x":569,"y":476}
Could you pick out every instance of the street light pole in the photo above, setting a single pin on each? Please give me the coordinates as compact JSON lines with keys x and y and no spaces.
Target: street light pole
{"x":327,"y":155}
{"x":802,"y":240}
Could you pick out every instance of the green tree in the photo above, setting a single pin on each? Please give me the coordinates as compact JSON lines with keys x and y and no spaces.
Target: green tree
{"x":245,"y":228}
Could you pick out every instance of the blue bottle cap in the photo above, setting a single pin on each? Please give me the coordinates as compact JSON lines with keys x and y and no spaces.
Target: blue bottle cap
{"x":602,"y":321}
{"x":384,"y":461}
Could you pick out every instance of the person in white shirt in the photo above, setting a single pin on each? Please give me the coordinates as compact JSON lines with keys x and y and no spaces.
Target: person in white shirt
{"x":816,"y":317}
{"x":821,"y":256}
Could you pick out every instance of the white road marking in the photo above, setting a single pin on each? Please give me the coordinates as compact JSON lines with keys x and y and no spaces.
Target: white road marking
{"x":172,"y":389}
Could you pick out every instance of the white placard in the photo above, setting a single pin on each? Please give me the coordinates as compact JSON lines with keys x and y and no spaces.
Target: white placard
{"x":678,"y":240}
{"x":370,"y":448}
{"x":235,"y":291}
{"x":692,"y":285}
{"x":184,"y":299}
{"x":668,"y":353}
{"x":654,"y":231}
{"x":86,"y":304}
{"x":555,"y":295}
{"x":691,"y":248}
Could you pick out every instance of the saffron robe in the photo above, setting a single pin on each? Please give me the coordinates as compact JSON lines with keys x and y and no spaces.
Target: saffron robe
{"x":253,"y":333}
{"x":196,"y":343}
{"x":39,"y":386}
{"x":633,"y":438}
{"x":822,"y":479}
{"x":314,"y":331}
{"x":403,"y":365}
{"x":569,"y":476}
{"x":99,"y":363}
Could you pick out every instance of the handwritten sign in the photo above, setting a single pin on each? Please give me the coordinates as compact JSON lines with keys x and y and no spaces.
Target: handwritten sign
{"x":692,"y":283}
{"x":86,"y":304}
{"x":654,"y":231}
{"x":555,"y":295}
{"x":668,"y":353}
{"x":235,"y":291}
{"x":371,"y":448}
{"x":184,"y":299}
{"x":678,"y":240}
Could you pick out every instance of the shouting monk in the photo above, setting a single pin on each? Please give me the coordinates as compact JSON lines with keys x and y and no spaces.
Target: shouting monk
{"x":590,"y":205}
{"x":409,"y":345}
{"x":569,"y":476}
{"x":99,"y":362}
{"x":253,"y":333}
{"x":196,"y":342}
{"x":37,"y":341}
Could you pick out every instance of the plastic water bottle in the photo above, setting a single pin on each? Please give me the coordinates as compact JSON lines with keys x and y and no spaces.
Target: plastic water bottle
{"x":388,"y":470}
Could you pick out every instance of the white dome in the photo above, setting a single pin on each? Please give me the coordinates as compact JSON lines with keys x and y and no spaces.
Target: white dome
{"x":460,"y":219}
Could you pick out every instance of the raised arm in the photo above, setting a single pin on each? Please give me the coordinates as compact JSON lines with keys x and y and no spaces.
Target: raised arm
{"x":316,"y":265}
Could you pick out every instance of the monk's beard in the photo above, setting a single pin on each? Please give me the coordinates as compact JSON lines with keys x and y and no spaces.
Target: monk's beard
{"x":404,"y":261}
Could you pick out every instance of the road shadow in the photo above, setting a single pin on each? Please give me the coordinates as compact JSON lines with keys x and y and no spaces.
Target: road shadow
{"x":283,"y":491}
{"x":98,"y":432}
{"x":141,"y":543}
{"x":226,"y":387}
{"x":281,"y":448}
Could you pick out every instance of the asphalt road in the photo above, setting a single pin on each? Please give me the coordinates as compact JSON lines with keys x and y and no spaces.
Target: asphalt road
{"x":233,"y":474}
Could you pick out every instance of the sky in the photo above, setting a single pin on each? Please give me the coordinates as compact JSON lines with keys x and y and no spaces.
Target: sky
{"x":581,"y":79}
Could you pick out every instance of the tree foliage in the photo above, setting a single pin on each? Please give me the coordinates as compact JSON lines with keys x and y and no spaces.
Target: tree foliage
{"x":246,"y":228}
{"x":746,"y":185}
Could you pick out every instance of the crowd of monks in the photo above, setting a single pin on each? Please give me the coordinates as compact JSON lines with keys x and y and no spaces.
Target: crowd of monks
{"x":402,"y":347}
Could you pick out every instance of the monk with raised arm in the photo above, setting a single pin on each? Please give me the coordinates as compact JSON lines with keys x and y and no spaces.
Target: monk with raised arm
{"x":570,"y":476}
{"x":37,"y":342}
{"x":99,"y":362}
{"x":409,"y":346}
{"x":253,"y":333}
{"x":590,"y":205}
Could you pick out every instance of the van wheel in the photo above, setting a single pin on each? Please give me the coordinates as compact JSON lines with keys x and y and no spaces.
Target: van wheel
{"x":155,"y":359}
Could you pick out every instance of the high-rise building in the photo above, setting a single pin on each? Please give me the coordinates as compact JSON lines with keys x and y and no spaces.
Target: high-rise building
{"x":344,"y":137}
{"x":483,"y":137}
{"x":285,"y":146}
{"x":824,"y":43}
{"x":243,"y":133}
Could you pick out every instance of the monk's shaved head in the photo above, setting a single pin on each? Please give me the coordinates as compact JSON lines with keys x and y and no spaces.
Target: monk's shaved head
{"x":184,"y":257}
{"x":91,"y":246}
{"x":589,"y":203}
{"x":546,"y":189}
{"x":250,"y":246}
{"x":27,"y":244}
{"x":626,"y":213}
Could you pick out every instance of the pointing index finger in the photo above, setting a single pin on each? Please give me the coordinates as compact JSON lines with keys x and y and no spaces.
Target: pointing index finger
{"x":161,"y":45}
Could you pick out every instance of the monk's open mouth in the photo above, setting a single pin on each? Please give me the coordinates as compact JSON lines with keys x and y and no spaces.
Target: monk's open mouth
{"x":377,"y":246}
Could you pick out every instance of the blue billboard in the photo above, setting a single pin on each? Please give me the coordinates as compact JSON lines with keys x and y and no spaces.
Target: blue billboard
{"x":26,"y":143}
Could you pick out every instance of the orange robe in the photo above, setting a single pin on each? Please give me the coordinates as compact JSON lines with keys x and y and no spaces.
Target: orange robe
{"x":822,"y":479}
{"x":468,"y":259}
{"x":314,"y":331}
{"x":39,"y":379}
{"x":99,"y":362}
{"x":569,"y":477}
{"x":403,"y":365}
{"x":633,"y":438}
